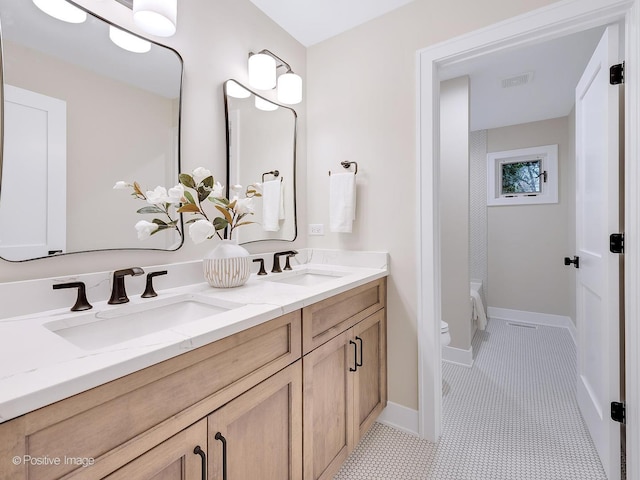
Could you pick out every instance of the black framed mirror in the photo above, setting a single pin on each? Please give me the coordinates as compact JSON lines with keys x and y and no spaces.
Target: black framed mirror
{"x":261,"y":147}
{"x":81,"y":113}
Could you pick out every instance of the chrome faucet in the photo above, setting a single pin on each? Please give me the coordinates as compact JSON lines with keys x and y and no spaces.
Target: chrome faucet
{"x":276,"y":260}
{"x":118,"y":292}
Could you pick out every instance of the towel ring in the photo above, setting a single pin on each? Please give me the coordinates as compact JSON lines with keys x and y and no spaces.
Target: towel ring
{"x":346,"y":164}
{"x":275,"y":173}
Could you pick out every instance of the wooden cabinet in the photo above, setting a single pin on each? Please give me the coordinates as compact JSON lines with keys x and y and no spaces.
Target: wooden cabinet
{"x":259,"y":434}
{"x":115,"y":423}
{"x":181,"y":457}
{"x":344,"y":391}
{"x":370,"y":385}
{"x":328,"y":406}
{"x":250,"y":401}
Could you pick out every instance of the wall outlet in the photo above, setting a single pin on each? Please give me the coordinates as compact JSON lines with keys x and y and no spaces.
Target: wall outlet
{"x":316,"y":229}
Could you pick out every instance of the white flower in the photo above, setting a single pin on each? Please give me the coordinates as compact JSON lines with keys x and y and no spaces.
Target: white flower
{"x":175,"y":194}
{"x":145,"y":229}
{"x":121,"y":185}
{"x":244,"y":206}
{"x":218,"y":191}
{"x":235,"y":191}
{"x":201,"y":230}
{"x":158,"y":195}
{"x":200,"y":174}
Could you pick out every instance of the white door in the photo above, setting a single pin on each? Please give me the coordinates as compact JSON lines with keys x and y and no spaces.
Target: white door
{"x":33,"y":197}
{"x":597,"y":215}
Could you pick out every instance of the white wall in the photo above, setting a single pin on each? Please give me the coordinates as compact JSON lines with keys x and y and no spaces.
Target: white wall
{"x":362,"y":107}
{"x":478,"y":248}
{"x":454,"y":209}
{"x":214,"y":40}
{"x":527,"y":243}
{"x":93,"y":164}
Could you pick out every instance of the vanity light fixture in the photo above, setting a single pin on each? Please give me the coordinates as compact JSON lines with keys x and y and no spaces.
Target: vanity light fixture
{"x":262,"y":75}
{"x":157,"y":17}
{"x":262,"y":104}
{"x":128,"y":41}
{"x":62,"y":10}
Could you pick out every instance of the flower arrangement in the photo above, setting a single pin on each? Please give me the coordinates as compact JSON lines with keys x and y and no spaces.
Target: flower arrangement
{"x":188,"y":196}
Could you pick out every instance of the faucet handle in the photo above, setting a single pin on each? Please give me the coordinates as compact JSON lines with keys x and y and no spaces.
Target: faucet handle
{"x":149,"y":291}
{"x":287,"y":265}
{"x":262,"y":271}
{"x":81,"y":300}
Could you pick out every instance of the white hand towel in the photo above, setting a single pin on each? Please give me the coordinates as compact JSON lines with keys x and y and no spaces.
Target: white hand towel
{"x":271,"y":205}
{"x":281,"y":215}
{"x":478,"y":310}
{"x":342,"y":202}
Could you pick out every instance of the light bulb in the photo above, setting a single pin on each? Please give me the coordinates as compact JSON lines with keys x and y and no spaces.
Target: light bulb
{"x":265,"y":105}
{"x":157,"y":17}
{"x":62,"y":10}
{"x":128,"y":41}
{"x":236,"y":90}
{"x":289,"y":88}
{"x":262,"y":71}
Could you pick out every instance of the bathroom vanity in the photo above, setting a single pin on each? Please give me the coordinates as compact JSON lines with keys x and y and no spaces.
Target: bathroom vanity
{"x":282,"y":388}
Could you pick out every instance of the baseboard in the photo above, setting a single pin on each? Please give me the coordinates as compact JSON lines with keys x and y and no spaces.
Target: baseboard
{"x":458,"y":356}
{"x":400,"y":417}
{"x":534,"y":318}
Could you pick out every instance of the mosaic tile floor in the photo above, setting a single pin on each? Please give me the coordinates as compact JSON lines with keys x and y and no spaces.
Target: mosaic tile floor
{"x":513,"y":416}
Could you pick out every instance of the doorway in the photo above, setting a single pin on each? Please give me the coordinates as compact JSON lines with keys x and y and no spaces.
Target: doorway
{"x":546,"y":23}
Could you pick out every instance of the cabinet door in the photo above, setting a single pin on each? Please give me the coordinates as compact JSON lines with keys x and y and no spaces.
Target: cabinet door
{"x":370,"y":386}
{"x":259,"y":434}
{"x":328,"y":373}
{"x":173,"y":459}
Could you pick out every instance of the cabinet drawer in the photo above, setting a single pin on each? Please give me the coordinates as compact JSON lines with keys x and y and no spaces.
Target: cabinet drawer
{"x":324,"y":320}
{"x":110,"y":423}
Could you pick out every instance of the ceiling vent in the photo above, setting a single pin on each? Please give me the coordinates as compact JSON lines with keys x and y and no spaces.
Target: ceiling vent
{"x":517,"y":80}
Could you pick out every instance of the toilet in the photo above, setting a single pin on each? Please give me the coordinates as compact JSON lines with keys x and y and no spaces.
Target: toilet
{"x":445,"y":338}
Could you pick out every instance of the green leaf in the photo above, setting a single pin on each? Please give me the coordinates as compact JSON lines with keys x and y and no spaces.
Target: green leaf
{"x":193,"y":220}
{"x":189,"y":197}
{"x":208,"y":182}
{"x":187,"y":180}
{"x":220,"y":223}
{"x":203,"y":192}
{"x":159,"y":222}
{"x":244,"y":223}
{"x":151,"y":209}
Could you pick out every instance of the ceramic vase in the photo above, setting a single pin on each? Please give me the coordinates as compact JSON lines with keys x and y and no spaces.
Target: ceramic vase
{"x":228,"y":265}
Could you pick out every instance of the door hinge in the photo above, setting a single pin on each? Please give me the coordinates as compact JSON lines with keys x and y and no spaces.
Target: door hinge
{"x":618,"y":412}
{"x":616,"y":243}
{"x":616,"y":74}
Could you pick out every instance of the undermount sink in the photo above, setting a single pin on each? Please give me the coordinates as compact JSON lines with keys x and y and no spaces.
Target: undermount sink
{"x":305,"y":277}
{"x":95,"y":330}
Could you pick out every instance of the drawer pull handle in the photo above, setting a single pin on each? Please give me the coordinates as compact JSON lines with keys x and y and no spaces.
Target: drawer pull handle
{"x":361,"y":350}
{"x":224,"y":454}
{"x":355,"y":356}
{"x":203,"y":457}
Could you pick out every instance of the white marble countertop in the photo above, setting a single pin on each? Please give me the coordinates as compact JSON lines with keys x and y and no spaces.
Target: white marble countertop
{"x":39,"y":366}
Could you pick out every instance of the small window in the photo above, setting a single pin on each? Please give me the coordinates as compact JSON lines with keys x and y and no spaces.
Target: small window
{"x":525,"y":176}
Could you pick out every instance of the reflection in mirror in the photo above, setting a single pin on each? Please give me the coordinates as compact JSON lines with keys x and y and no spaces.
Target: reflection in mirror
{"x":261,"y":147}
{"x":79,"y":114}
